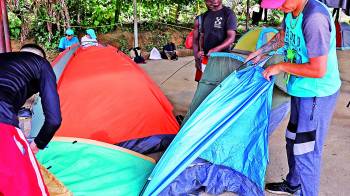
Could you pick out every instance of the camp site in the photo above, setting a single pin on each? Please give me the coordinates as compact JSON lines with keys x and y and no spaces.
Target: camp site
{"x":182,"y":97}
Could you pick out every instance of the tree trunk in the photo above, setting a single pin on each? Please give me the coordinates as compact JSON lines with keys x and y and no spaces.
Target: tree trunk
{"x":65,"y":13}
{"x":118,"y":7}
{"x":49,"y":7}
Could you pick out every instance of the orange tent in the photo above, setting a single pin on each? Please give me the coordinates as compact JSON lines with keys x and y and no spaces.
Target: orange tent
{"x":105,"y":96}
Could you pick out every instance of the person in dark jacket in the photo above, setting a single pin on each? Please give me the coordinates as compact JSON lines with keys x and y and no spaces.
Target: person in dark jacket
{"x":23,"y":74}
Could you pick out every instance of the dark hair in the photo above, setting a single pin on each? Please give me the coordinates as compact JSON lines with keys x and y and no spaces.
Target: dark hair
{"x":35,"y":46}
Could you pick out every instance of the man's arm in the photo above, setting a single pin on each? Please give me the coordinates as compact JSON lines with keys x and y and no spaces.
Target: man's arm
{"x":316,"y":29}
{"x":196,"y":44}
{"x":275,"y":43}
{"x":195,"y":41}
{"x":51,"y":105}
{"x":316,"y":68}
{"x":231,"y":34}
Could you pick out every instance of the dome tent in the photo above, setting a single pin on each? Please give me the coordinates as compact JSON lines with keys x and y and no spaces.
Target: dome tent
{"x":107,"y":97}
{"x":88,"y":167}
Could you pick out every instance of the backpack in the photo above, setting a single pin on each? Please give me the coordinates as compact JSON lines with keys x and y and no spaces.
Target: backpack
{"x":189,"y":38}
{"x":136,"y":55}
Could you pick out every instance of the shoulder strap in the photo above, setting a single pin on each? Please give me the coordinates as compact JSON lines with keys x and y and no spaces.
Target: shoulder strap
{"x":200,"y":23}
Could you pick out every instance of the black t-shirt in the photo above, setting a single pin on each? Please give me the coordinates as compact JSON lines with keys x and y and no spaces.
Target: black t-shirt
{"x":215,"y":27}
{"x":23,"y":74}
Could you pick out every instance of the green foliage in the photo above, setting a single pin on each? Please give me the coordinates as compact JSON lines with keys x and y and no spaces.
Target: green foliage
{"x":123,"y":44}
{"x":107,"y":15}
{"x":158,"y":41}
{"x":275,"y":18}
{"x":14,"y":25}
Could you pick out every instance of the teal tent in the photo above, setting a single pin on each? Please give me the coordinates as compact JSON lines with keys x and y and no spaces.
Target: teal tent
{"x":88,"y":167}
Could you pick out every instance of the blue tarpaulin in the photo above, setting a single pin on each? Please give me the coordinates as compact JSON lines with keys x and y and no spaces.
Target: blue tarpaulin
{"x":235,"y":137}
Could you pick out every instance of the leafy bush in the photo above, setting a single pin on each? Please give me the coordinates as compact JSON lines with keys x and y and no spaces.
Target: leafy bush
{"x":14,"y":25}
{"x":123,"y":44}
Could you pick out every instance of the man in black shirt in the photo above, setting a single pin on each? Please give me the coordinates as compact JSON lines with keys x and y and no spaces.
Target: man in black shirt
{"x":23,"y":74}
{"x":217,"y":31}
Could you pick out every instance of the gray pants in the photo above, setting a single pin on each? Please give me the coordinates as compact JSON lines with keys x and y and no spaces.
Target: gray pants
{"x":305,"y":136}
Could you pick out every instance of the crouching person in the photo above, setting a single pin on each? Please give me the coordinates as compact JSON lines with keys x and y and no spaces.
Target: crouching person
{"x":23,"y":74}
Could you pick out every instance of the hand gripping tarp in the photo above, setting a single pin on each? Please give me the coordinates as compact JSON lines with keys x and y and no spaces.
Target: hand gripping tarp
{"x":229,"y":128}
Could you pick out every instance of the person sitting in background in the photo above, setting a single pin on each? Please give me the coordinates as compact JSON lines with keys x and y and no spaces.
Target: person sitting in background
{"x":169,"y":51}
{"x":90,"y":39}
{"x":68,"y":40}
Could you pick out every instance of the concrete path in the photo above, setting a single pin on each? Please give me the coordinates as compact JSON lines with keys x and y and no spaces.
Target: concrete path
{"x":336,"y":167}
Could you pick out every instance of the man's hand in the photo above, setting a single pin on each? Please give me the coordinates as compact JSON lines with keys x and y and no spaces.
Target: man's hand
{"x":33,"y":147}
{"x":200,"y":54}
{"x":211,"y":51}
{"x":198,"y":64}
{"x":271,"y":71}
{"x":254,"y":56}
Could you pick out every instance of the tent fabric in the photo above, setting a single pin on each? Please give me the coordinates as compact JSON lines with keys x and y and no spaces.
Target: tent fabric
{"x":235,"y":137}
{"x":255,"y":38}
{"x":220,"y":65}
{"x":148,"y":145}
{"x":89,"y":167}
{"x":204,"y":176}
{"x":106,"y":97}
{"x":344,"y":36}
{"x":155,"y":54}
{"x":60,"y":64}
{"x":54,"y":186}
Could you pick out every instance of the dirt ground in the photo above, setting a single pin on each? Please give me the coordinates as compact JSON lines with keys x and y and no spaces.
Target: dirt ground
{"x":180,"y":87}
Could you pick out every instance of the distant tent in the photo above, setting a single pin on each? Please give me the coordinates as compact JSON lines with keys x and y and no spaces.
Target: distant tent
{"x":155,"y":54}
{"x":88,"y":167}
{"x":255,"y":38}
{"x":229,"y":149}
{"x":107,"y":97}
{"x":343,"y":35}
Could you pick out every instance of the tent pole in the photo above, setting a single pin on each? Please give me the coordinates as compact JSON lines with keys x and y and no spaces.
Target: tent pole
{"x":2,"y":36}
{"x":6,"y":26}
{"x":136,"y":39}
{"x":247,"y":16}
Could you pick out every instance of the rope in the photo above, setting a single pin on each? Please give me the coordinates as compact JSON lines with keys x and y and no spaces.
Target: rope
{"x":110,"y":25}
{"x":176,"y":71}
{"x":174,"y":25}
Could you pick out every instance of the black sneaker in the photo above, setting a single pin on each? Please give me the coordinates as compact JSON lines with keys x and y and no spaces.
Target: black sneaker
{"x":281,"y":188}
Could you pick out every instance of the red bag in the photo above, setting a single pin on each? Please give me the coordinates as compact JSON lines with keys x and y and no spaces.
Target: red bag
{"x":189,"y":40}
{"x":199,"y":73}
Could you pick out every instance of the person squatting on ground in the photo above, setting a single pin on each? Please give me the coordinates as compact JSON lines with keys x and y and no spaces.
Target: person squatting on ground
{"x":68,"y":40}
{"x":23,"y":74}
{"x":214,"y":31}
{"x":308,"y":38}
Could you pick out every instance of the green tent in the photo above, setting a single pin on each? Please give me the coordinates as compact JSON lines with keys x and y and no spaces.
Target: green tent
{"x":88,"y":167}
